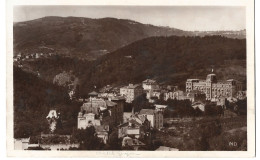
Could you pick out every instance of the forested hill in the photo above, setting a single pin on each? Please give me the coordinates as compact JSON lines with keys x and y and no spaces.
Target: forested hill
{"x":90,"y":38}
{"x":82,"y":36}
{"x":171,"y":60}
{"x":33,"y":99}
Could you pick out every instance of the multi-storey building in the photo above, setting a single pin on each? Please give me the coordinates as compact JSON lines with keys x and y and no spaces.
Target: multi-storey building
{"x":173,"y":95}
{"x":97,"y":111}
{"x":213,"y":88}
{"x":131,"y":92}
{"x":135,"y":126}
{"x":150,"y":84}
{"x":155,"y":117}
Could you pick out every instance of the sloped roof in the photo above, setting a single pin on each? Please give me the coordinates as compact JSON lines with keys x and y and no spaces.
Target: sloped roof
{"x":160,"y":106}
{"x":132,"y":142}
{"x":102,"y":128}
{"x":52,"y":113}
{"x":93,"y":93}
{"x":115,"y":98}
{"x":93,"y":105}
{"x":133,"y":121}
{"x":147,"y":111}
{"x":131,"y":86}
{"x":149,"y":81}
{"x":124,"y":124}
{"x":110,"y":103}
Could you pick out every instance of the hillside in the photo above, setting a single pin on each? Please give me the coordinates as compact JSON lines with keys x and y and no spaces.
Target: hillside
{"x":33,"y":99}
{"x":169,"y":60}
{"x":82,"y":36}
{"x":89,"y":38}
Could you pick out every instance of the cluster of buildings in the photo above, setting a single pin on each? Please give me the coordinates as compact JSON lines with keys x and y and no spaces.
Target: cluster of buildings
{"x":25,"y":57}
{"x":106,"y":111}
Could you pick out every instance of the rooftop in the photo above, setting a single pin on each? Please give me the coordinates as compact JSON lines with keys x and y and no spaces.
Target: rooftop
{"x":149,"y":81}
{"x":93,"y":93}
{"x":110,"y":103}
{"x":132,"y":86}
{"x":147,"y":111}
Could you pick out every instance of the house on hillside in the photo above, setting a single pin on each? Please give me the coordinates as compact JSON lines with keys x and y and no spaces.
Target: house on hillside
{"x":131,"y":92}
{"x":155,"y":117}
{"x":98,"y":111}
{"x":214,"y":88}
{"x":150,"y":84}
{"x":132,"y":143}
{"x":134,"y":126}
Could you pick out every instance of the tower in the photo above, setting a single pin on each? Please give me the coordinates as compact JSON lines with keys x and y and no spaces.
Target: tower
{"x":211,"y":78}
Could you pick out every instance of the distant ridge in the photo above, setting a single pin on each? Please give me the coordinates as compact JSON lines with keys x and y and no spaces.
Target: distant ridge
{"x":91,"y":38}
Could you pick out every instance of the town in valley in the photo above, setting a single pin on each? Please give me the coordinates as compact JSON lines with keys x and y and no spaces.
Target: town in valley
{"x":118,"y":84}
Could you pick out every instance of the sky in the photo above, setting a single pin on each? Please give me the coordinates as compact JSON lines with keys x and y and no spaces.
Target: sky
{"x":195,"y":18}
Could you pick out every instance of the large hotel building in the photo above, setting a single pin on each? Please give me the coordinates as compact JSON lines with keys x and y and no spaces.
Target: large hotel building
{"x":213,"y":88}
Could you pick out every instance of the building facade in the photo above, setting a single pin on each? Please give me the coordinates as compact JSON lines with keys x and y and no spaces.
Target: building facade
{"x":213,"y":88}
{"x":150,"y":84}
{"x":155,"y":117}
{"x":131,"y":92}
{"x":97,"y":111}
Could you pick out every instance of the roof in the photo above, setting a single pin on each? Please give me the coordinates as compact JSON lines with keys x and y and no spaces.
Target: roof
{"x":147,"y":111}
{"x":52,"y":114}
{"x":102,"y":128}
{"x":131,"y":86}
{"x":133,"y":121}
{"x":93,"y":105}
{"x":127,"y":114}
{"x":149,"y":81}
{"x":23,"y":140}
{"x":189,"y":80}
{"x":102,"y":108}
{"x":93,"y":93}
{"x":110,"y":103}
{"x":197,"y":102}
{"x":131,"y":142}
{"x":117,"y":98}
{"x":124,"y":124}
{"x":159,"y":106}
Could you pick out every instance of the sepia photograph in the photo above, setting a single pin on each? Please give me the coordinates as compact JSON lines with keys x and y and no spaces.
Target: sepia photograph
{"x":130,"y":78}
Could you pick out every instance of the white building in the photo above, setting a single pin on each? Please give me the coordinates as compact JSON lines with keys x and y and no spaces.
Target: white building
{"x":199,"y":105}
{"x":150,"y":84}
{"x":21,"y":143}
{"x":159,"y":107}
{"x":173,"y":95}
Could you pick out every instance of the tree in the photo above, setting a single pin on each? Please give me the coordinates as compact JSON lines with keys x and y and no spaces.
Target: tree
{"x":88,"y":139}
{"x":140,"y":102}
{"x":114,"y":142}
